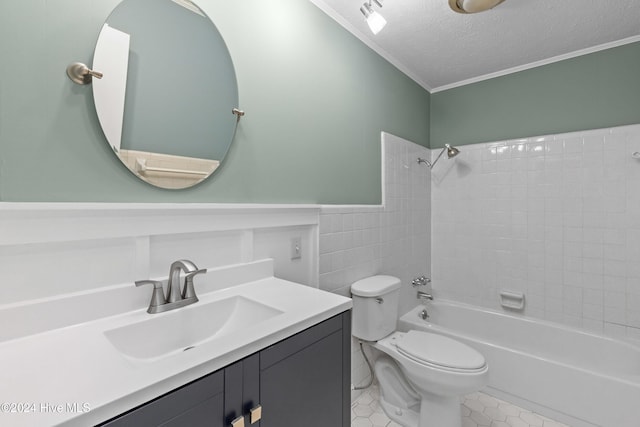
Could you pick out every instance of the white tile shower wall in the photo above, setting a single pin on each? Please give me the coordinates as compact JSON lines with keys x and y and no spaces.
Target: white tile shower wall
{"x":361,"y":241}
{"x":556,"y":217}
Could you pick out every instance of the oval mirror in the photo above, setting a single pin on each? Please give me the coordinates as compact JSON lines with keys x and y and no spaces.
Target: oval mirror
{"x":166,"y":98}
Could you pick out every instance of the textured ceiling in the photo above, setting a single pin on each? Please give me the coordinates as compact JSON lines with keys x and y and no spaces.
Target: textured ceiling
{"x":439,"y":48}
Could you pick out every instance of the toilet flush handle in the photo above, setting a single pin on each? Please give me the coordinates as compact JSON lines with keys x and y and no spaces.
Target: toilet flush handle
{"x":379,"y":300}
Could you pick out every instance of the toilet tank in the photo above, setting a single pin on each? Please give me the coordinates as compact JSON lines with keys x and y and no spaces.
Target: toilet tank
{"x":375,"y":307}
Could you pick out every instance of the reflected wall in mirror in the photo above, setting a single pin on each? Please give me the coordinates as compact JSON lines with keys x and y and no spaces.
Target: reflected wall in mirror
{"x":165,"y":101}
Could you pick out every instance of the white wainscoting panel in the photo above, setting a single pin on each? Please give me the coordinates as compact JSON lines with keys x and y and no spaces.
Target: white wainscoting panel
{"x":52,"y":249}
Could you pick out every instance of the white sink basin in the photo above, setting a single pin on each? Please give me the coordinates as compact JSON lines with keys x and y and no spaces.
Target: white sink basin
{"x":184,"y":328}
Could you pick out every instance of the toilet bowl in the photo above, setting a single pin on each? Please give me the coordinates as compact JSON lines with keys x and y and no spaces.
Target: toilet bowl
{"x":421,"y":375}
{"x":439,"y":370}
{"x":398,"y":399}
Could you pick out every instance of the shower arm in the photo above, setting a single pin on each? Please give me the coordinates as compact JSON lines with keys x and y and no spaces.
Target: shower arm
{"x":428,"y":163}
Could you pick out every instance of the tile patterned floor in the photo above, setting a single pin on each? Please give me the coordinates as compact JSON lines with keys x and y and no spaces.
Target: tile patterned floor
{"x":478,"y":410}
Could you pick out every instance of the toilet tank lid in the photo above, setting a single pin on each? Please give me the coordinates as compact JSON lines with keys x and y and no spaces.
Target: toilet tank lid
{"x":375,"y":286}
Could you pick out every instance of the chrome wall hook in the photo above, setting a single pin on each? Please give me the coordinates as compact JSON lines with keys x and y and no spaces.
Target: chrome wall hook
{"x":81,"y":74}
{"x":238,"y":113}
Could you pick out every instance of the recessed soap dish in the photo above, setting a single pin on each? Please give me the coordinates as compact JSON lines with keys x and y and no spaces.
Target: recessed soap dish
{"x":512,"y":300}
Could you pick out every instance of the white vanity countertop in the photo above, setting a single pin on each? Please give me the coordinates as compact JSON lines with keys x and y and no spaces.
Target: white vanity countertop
{"x":44,"y":375}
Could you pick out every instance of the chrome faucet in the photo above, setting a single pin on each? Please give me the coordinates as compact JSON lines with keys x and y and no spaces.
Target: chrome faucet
{"x":174,"y":293}
{"x":176,"y":297}
{"x":420,"y":281}
{"x":424,"y":296}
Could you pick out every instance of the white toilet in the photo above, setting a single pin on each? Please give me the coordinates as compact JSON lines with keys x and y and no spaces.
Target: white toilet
{"x":422,"y":375}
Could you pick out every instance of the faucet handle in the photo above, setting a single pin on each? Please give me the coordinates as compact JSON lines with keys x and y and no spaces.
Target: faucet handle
{"x":157,"y":297}
{"x":189,"y":291}
{"x":420,"y":281}
{"x":193,"y":273}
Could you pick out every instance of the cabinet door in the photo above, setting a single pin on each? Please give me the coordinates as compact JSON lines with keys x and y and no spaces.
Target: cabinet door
{"x":241,"y":389}
{"x":197,"y":404}
{"x":304,"y":380}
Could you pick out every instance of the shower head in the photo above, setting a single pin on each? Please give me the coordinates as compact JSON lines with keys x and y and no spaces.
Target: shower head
{"x":451,"y":153}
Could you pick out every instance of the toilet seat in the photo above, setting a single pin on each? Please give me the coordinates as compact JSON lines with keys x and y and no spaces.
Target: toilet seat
{"x":438,"y":351}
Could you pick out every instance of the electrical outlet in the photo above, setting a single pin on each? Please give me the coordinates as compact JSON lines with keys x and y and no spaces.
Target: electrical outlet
{"x":296,"y":248}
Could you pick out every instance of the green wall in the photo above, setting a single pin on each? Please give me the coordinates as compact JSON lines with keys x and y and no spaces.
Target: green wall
{"x":315,"y":98}
{"x":593,"y":91}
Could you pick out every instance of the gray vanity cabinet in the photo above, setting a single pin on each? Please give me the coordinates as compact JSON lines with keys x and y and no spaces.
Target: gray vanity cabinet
{"x":193,"y":405}
{"x":303,"y":380}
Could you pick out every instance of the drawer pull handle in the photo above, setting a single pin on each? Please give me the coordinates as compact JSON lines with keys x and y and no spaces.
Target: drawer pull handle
{"x":256,"y":414}
{"x":238,"y":422}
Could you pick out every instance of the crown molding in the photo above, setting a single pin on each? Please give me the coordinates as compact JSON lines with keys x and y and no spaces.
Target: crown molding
{"x":540,"y":63}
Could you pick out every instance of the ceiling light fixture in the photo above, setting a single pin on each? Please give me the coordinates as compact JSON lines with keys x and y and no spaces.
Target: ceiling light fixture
{"x":375,"y":21}
{"x":473,"y":6}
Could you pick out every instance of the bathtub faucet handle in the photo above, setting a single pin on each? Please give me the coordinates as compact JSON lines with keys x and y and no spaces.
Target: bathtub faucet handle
{"x":420,"y":281}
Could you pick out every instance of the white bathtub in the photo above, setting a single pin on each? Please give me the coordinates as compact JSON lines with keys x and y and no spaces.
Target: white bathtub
{"x":578,"y":378}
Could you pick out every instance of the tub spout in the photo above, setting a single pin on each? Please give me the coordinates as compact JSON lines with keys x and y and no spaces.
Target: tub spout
{"x":424,"y":296}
